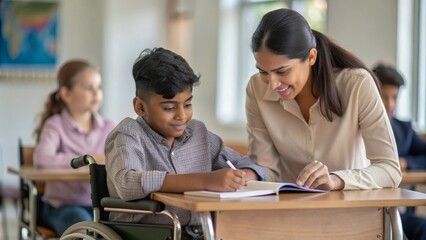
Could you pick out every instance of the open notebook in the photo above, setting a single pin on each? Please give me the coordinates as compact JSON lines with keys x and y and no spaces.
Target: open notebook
{"x":255,"y":188}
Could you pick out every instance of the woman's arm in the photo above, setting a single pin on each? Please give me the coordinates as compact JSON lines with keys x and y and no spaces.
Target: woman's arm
{"x":261,"y":146}
{"x":378,"y":139}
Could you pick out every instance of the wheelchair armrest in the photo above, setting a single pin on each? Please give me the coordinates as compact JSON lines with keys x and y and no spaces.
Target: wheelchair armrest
{"x":144,"y":206}
{"x":141,"y":204}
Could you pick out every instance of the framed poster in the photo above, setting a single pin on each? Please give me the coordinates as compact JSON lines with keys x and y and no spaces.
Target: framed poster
{"x":28,"y":38}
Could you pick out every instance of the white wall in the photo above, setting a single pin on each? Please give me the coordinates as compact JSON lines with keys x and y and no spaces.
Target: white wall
{"x":129,"y":28}
{"x":368,"y":28}
{"x":111,"y":34}
{"x":378,"y":30}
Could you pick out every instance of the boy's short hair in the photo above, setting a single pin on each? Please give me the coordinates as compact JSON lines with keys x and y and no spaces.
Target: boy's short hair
{"x":163,"y":72}
{"x":388,"y":75}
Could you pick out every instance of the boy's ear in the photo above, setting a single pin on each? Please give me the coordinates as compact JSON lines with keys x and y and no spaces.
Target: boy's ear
{"x":138,"y":106}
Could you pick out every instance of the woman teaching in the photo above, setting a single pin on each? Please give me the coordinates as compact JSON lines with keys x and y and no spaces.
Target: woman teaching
{"x":314,"y":111}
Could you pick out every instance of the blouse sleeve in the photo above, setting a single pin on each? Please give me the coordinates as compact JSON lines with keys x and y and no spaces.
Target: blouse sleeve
{"x":379,"y":141}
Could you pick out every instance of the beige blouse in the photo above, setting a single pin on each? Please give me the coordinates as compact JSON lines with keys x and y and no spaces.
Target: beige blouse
{"x":359,"y":147}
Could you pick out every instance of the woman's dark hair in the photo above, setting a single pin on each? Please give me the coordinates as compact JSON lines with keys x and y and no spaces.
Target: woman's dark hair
{"x":162,"y":72}
{"x":388,"y":75}
{"x":66,"y":77}
{"x":286,"y":32}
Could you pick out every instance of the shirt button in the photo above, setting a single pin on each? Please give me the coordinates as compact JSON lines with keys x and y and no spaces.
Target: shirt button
{"x":173,"y":153}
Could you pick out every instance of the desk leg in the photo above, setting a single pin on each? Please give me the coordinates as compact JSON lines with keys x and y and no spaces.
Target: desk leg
{"x":395,"y":222}
{"x":32,"y":209}
{"x":207,"y":224}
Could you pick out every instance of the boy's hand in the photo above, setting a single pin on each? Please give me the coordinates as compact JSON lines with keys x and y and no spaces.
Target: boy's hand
{"x":100,"y":158}
{"x":250,"y":175}
{"x":225,"y":180}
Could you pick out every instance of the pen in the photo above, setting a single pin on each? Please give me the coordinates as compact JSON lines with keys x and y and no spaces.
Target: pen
{"x":231,"y":165}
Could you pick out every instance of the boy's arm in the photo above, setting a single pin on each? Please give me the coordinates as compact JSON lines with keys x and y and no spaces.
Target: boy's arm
{"x":253,"y":171}
{"x":221,"y":154}
{"x":251,"y":175}
{"x":223,"y":180}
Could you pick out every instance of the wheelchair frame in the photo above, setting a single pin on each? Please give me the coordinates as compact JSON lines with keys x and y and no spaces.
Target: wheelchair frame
{"x":101,"y":228}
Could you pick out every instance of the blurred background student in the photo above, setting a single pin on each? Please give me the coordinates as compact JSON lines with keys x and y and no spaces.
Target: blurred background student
{"x":70,"y":126}
{"x":411,"y":147}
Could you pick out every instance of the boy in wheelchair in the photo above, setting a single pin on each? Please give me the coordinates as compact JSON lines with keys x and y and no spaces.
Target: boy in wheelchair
{"x":164,"y":149}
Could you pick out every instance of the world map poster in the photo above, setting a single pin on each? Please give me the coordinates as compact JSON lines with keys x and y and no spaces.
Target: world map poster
{"x":28,"y":34}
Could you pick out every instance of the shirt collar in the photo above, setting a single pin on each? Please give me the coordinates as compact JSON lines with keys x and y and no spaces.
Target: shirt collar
{"x":98,"y":121}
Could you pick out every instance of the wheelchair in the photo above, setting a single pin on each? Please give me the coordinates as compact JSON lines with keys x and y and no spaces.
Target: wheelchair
{"x":103,"y":204}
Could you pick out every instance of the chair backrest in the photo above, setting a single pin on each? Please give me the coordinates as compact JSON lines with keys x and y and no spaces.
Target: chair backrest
{"x":26,"y":159}
{"x":26,"y":155}
{"x":98,"y":185}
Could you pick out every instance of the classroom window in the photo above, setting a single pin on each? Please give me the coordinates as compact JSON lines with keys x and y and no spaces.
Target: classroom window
{"x":411,"y":62}
{"x":239,"y":19}
{"x":421,"y":65}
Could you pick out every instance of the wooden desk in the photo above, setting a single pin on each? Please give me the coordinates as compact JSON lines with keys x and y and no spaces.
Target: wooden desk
{"x":414,"y":177}
{"x":31,"y":175}
{"x":45,"y":175}
{"x":335,"y":215}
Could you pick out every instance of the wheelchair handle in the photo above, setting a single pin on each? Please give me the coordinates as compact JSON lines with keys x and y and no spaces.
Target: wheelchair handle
{"x":82,"y":161}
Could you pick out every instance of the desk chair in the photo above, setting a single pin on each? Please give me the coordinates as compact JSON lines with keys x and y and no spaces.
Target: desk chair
{"x":103,"y":204}
{"x":26,"y":159}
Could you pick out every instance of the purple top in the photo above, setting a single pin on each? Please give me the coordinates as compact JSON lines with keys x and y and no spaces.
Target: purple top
{"x":61,"y":139}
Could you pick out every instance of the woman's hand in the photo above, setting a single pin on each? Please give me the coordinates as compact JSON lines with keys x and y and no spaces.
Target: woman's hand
{"x":316,"y":175}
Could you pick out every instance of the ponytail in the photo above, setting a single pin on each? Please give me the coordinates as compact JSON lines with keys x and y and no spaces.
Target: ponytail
{"x":329,"y":58}
{"x":54,"y":105}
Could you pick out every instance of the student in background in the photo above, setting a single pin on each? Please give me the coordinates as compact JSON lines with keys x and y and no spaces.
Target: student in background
{"x":411,"y":147}
{"x":70,"y":126}
{"x":314,"y":112}
{"x":164,"y":149}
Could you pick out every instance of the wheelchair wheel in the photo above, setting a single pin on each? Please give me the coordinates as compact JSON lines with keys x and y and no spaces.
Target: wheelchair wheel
{"x":89,"y":231}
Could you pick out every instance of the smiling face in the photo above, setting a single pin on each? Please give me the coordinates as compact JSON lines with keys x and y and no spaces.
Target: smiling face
{"x":168,"y":117}
{"x":290,"y":78}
